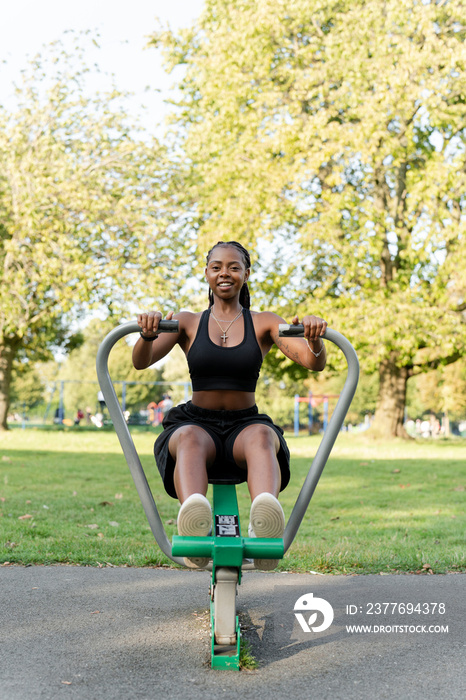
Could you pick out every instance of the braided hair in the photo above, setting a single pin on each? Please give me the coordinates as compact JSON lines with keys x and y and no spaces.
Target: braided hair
{"x":244,"y":297}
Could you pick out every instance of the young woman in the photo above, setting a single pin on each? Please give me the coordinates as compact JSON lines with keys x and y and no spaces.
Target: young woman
{"x":219,"y":436}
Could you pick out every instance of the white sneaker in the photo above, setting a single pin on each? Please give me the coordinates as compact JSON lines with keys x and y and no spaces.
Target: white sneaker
{"x":195,"y":520}
{"x":267,"y":519}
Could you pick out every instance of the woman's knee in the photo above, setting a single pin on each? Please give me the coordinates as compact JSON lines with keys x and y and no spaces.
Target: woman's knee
{"x":263,"y":436}
{"x":193,"y":439}
{"x":253,"y":438}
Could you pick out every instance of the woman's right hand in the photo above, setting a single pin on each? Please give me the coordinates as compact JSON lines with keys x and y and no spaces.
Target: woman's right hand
{"x":149,"y":322}
{"x":147,"y":353}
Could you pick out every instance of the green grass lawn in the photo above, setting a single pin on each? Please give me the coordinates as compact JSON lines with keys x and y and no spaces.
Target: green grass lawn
{"x":380,"y":507}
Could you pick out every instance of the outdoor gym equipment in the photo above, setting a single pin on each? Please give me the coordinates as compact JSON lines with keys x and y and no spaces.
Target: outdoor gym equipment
{"x":229,"y":551}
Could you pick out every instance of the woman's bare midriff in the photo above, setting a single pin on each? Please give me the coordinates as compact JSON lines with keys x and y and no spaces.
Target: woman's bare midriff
{"x":224,"y":400}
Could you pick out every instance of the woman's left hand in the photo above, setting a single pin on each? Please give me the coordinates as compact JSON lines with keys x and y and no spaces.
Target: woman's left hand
{"x":314,"y":327}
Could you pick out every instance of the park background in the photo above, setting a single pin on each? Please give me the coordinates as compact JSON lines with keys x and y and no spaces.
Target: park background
{"x":326,"y":137}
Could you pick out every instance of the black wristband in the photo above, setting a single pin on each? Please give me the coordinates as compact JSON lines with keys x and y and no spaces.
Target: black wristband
{"x":145,"y":337}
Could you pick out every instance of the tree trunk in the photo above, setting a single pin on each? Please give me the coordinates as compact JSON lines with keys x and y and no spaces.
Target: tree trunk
{"x":7,"y":354}
{"x":391,"y":402}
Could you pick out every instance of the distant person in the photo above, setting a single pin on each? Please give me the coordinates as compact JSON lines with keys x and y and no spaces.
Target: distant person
{"x":425,"y":429}
{"x":152,"y":417}
{"x":166,"y":404}
{"x":98,"y":420}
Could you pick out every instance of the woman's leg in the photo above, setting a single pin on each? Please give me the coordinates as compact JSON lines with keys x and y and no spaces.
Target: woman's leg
{"x":256,"y":449}
{"x":193,"y":450}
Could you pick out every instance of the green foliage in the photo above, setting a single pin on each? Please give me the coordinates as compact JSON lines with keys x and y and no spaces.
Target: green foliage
{"x":27,"y":389}
{"x":330,"y":137}
{"x":86,"y":216}
{"x":79,"y":225}
{"x":441,"y":392}
{"x":247,"y":660}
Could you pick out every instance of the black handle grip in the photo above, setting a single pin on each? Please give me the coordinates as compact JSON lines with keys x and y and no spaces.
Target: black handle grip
{"x":290,"y":331}
{"x":168,"y":326}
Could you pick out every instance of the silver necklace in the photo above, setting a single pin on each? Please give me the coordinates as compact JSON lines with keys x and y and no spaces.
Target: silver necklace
{"x":224,"y":330}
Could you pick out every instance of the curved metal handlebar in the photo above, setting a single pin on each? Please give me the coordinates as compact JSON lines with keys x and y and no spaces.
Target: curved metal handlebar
{"x":132,"y":457}
{"x":124,"y":436}
{"x":333,"y":428}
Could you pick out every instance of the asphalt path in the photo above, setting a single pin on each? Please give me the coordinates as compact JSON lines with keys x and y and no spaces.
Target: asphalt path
{"x":120,"y":633}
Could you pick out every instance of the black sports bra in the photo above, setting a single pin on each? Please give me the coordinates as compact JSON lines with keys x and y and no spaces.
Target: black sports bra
{"x":213,"y":367}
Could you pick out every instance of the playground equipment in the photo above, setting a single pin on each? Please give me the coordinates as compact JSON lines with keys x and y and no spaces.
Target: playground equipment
{"x":231,"y":554}
{"x":312,"y":401}
{"x":60,"y":383}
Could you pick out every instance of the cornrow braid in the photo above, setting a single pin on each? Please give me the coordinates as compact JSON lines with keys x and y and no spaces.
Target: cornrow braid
{"x":244,"y":297}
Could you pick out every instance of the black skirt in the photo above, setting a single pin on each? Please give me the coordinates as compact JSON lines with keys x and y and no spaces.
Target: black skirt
{"x":223,"y":427}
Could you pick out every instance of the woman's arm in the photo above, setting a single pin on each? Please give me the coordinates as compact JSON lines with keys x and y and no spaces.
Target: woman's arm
{"x":309,"y":352}
{"x":147,"y":352}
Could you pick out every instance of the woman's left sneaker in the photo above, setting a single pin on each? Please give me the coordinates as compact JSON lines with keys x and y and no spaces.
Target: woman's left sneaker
{"x":266,"y":519}
{"x":195,"y":520}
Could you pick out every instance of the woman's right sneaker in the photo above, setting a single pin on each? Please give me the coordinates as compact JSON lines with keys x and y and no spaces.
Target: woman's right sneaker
{"x":267,"y":519}
{"x":195,"y":520}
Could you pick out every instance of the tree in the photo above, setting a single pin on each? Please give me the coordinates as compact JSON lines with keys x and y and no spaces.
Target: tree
{"x":27,"y":390}
{"x":332,"y":134}
{"x":86,"y":219}
{"x":442,"y":393}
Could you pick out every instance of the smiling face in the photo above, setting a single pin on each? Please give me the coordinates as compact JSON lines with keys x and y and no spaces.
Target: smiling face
{"x":226,"y":272}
